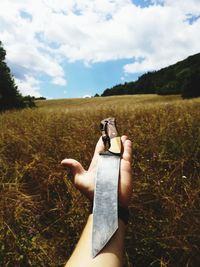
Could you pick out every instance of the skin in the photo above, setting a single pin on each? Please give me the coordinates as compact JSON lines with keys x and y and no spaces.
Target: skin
{"x":112,"y":254}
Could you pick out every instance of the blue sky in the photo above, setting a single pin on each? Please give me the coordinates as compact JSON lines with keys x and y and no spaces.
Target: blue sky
{"x":72,"y":48}
{"x":89,"y":80}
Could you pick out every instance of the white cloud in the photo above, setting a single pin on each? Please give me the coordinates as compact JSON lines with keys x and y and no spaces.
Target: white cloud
{"x":59,"y":81}
{"x":86,"y":96}
{"x":42,"y":35}
{"x":19,"y":35}
{"x":29,"y":86}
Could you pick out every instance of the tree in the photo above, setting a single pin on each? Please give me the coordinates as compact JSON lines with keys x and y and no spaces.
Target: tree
{"x":191,"y":86}
{"x":10,"y":97}
{"x":182,"y":77}
{"x":171,"y":88}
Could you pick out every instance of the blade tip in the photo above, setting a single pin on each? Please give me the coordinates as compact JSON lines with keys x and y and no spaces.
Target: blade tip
{"x":94,"y":254}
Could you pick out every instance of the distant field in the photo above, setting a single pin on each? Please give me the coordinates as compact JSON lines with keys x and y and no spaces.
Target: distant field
{"x":103,"y":102}
{"x":42,"y":215}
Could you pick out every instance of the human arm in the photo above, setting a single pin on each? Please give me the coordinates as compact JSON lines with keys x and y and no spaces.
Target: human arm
{"x":112,"y":254}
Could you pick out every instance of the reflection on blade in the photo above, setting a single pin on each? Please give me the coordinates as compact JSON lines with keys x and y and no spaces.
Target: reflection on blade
{"x":105,"y":218}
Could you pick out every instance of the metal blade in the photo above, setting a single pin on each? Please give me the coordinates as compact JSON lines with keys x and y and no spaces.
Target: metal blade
{"x":105,"y":207}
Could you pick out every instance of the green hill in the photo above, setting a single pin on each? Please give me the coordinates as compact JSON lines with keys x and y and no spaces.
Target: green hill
{"x":181,"y":78}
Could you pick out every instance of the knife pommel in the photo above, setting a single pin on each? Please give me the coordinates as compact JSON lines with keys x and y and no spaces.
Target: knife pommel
{"x":110,"y":135}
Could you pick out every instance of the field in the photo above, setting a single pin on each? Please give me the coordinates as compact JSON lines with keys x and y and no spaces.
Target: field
{"x":42,"y":215}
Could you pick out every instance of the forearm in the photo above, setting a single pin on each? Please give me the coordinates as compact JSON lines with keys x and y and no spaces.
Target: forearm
{"x":110,"y":256}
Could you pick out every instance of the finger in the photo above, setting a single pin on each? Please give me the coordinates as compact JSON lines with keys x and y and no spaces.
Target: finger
{"x":127,"y":154}
{"x":99,"y":148}
{"x":74,"y":166}
{"x":123,"y":138}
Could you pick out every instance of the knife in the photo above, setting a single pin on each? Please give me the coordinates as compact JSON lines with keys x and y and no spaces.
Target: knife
{"x":105,"y":206}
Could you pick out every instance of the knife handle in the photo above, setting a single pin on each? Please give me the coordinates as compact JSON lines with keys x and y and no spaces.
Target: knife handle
{"x":110,"y":135}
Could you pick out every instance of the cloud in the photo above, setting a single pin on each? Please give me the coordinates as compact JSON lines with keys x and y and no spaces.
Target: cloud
{"x":41,"y":36}
{"x":28,"y":86}
{"x":86,"y":96}
{"x":27,"y":56}
{"x":59,"y":81}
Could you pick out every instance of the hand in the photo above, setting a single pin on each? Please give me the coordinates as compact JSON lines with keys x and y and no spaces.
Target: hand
{"x":85,"y":180}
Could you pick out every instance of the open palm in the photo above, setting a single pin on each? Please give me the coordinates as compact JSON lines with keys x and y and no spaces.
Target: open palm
{"x":85,"y":180}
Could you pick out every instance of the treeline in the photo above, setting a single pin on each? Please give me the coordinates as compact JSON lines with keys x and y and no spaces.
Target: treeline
{"x":181,"y":78}
{"x":10,"y":97}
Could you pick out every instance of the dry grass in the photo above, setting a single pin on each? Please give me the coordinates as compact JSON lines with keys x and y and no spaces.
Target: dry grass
{"x":41,"y":214}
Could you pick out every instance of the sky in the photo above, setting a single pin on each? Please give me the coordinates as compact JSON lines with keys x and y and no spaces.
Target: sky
{"x":73,"y":48}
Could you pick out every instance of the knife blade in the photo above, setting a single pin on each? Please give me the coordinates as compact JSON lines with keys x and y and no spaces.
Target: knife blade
{"x":105,"y":206}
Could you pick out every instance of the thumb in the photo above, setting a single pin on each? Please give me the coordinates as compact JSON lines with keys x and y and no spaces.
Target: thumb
{"x":74,"y":166}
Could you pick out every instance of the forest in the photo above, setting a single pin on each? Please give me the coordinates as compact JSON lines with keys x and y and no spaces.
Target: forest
{"x":181,"y":78}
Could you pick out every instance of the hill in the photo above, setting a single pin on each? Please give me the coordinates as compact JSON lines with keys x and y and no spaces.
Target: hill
{"x":181,"y":78}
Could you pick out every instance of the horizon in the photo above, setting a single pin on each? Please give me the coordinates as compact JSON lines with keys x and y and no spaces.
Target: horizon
{"x":75,"y":48}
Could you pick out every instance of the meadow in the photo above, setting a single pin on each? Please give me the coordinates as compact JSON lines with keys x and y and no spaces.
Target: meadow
{"x":42,"y":215}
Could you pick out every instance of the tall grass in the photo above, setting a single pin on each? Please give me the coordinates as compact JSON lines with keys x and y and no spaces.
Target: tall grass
{"x":42,"y":215}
